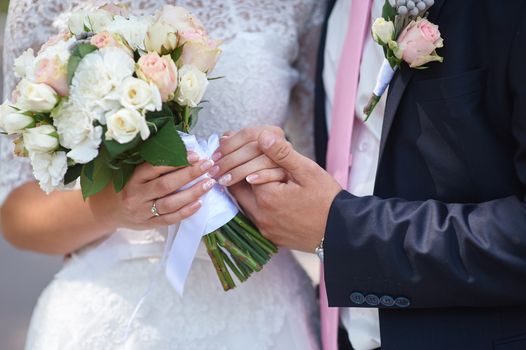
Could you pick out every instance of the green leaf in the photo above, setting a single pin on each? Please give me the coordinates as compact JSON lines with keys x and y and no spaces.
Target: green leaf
{"x":165,"y":148}
{"x":95,"y":175}
{"x":122,"y":175}
{"x":176,"y":54}
{"x":73,"y":173}
{"x":78,"y":53}
{"x":115,"y":149}
{"x":388,"y":12}
{"x":159,"y":118}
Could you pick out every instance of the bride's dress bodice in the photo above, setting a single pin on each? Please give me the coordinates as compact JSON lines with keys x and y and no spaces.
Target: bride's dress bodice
{"x":269,"y":50}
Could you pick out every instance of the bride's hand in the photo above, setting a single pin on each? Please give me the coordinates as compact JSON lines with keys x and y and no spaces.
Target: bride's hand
{"x":239,"y":158}
{"x":132,"y":207}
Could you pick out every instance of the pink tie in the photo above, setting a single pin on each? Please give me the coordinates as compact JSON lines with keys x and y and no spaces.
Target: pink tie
{"x":338,"y":152}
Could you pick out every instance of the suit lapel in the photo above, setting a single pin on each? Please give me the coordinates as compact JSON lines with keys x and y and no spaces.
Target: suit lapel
{"x":399,"y":84}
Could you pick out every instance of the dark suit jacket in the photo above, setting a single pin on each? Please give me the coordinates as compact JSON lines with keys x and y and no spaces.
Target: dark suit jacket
{"x":441,"y":246}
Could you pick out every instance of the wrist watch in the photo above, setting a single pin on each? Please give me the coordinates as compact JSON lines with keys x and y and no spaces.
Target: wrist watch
{"x":319,"y":249}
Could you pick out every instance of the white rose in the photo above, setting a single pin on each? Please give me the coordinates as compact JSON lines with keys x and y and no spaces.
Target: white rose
{"x":76,"y":22}
{"x":125,"y":125}
{"x":84,"y":20}
{"x":25,"y":65}
{"x":132,"y":29}
{"x":161,"y":38}
{"x":49,"y":169}
{"x":77,"y":132}
{"x":40,"y":98}
{"x":42,"y":139}
{"x":383,"y":31}
{"x":12,"y":121}
{"x":140,"y":95}
{"x":192,"y":86}
{"x":98,"y":20}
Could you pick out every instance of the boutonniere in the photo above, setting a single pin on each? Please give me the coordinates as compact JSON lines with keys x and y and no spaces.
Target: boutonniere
{"x":406,"y":37}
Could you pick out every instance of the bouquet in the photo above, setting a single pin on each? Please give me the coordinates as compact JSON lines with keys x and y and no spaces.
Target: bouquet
{"x":407,"y":36}
{"x":114,"y":91}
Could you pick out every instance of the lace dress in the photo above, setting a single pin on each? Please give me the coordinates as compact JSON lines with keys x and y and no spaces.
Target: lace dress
{"x":268,"y":60}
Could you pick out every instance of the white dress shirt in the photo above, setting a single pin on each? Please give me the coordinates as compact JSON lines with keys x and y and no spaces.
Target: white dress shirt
{"x":362,"y":324}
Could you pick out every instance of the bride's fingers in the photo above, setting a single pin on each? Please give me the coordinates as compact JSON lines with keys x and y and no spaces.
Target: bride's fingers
{"x":241,"y":172}
{"x":267,"y":175}
{"x":174,"y":202}
{"x":232,"y":143}
{"x":169,"y":183}
{"x":235,"y":159}
{"x":178,"y":216}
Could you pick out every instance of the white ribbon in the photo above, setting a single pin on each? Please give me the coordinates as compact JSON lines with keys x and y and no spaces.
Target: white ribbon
{"x":217,"y":209}
{"x":385,"y":75}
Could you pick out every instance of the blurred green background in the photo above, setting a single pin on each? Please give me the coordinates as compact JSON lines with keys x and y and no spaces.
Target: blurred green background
{"x":3,"y":5}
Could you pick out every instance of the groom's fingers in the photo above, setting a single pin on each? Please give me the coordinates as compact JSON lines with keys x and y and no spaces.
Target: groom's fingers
{"x":281,"y":152}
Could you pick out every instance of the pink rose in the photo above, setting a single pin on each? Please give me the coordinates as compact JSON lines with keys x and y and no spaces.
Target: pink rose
{"x":116,"y":10}
{"x":53,"y":73}
{"x":183,"y":22}
{"x":418,"y":42}
{"x":203,"y":54}
{"x":161,"y":71}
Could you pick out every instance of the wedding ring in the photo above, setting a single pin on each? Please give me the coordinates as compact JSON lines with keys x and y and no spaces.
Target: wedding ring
{"x":154,"y":210}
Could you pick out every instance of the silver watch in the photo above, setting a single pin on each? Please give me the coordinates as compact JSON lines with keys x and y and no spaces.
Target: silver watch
{"x":319,"y":249}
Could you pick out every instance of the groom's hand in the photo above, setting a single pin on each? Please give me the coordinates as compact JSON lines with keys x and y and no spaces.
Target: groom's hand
{"x":291,"y":214}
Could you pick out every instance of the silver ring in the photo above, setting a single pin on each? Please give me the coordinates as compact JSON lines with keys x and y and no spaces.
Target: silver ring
{"x":154,"y":210}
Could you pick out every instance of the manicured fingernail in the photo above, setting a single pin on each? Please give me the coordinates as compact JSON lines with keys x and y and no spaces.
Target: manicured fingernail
{"x":252,"y":178}
{"x":207,"y":165}
{"x":267,"y":139}
{"x":214,"y":171}
{"x":196,"y":205}
{"x":192,"y":157}
{"x":209,"y":184}
{"x":225,"y":179}
{"x":216,"y":156}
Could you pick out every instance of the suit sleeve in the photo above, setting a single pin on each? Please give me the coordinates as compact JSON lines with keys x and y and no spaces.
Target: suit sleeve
{"x":435,"y":254}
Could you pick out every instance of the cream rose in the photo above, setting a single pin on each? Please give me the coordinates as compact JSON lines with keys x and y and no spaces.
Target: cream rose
{"x":160,"y":71}
{"x":12,"y":121}
{"x":36,"y":97}
{"x":192,"y":86}
{"x":161,"y":38}
{"x":383,"y":31}
{"x":418,"y":42}
{"x":42,"y":139}
{"x":140,"y":95}
{"x":202,"y":54}
{"x":125,"y":125}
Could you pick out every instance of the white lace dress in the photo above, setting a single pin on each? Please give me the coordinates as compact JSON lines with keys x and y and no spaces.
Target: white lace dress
{"x":269,"y":49}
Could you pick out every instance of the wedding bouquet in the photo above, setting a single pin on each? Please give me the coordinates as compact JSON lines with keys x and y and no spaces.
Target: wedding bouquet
{"x":407,"y":36}
{"x":114,"y":91}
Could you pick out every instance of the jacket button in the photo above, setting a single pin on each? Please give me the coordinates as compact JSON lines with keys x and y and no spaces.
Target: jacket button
{"x":357,"y":298}
{"x":402,"y":302}
{"x":387,"y":300}
{"x":372,"y":300}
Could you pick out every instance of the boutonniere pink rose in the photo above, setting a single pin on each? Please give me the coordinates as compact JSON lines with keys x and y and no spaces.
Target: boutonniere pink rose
{"x":407,"y":36}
